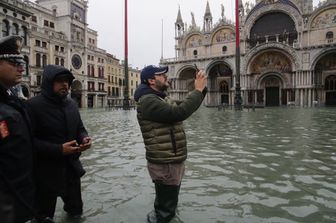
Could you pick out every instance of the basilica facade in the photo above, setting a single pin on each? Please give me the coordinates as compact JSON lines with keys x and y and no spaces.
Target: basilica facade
{"x":287,"y":54}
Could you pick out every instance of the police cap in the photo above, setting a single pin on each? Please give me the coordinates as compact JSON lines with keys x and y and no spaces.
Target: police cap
{"x":10,"y":47}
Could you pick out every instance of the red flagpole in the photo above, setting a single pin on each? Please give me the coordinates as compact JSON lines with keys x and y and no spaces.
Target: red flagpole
{"x":237,"y":25}
{"x":126,"y":102}
{"x":126,"y":31}
{"x":237,"y":99}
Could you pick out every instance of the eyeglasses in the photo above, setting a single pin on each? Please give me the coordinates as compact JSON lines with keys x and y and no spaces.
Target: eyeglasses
{"x":15,"y":63}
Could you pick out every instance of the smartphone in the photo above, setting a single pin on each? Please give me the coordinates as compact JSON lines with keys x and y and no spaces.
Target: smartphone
{"x":196,"y":68}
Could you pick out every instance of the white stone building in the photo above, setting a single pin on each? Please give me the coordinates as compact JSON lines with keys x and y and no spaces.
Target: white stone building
{"x":56,"y":32}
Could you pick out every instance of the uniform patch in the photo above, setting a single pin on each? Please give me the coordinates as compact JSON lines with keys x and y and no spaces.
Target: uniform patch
{"x":4,"y":132}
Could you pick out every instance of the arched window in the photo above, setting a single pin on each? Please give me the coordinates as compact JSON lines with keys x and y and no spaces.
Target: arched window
{"x":89,"y":69}
{"x":224,"y":49}
{"x":5,"y":28}
{"x":195,"y":53}
{"x":273,"y":24}
{"x":15,"y":30}
{"x":57,"y":61}
{"x":330,"y":37}
{"x":62,"y":62}
{"x":44,"y":60}
{"x":38,"y":60}
{"x":92,"y":71}
{"x":24,"y":35}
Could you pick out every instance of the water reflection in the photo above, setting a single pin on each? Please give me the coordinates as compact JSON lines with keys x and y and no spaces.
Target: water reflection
{"x":273,"y":165}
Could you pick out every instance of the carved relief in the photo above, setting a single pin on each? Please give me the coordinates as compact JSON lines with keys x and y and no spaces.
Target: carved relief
{"x":223,"y":35}
{"x":256,"y":50}
{"x":194,"y":41}
{"x":305,"y":58}
{"x":272,"y":81}
{"x":325,"y":19}
{"x":271,"y":61}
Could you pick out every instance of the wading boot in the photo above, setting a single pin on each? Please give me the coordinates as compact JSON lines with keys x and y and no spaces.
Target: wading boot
{"x":165,"y":203}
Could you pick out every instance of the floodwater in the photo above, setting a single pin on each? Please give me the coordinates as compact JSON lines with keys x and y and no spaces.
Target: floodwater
{"x":271,"y":165}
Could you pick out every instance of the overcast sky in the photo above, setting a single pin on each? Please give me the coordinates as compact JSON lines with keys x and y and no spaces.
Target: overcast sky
{"x":145,"y":19}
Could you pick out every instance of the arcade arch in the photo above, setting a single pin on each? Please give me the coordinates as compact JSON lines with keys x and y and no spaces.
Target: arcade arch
{"x":220,"y":81}
{"x":324,"y":78}
{"x":76,"y":92}
{"x":269,"y":80}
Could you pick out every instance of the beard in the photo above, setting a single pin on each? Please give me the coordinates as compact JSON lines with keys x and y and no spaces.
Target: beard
{"x":62,"y":93}
{"x":161,"y":86}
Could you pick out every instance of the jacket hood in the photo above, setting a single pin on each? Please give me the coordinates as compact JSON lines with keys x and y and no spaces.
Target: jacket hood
{"x":144,"y":89}
{"x":50,"y":72}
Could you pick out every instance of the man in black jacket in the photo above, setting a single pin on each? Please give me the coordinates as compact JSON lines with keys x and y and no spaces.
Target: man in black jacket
{"x":60,"y":137}
{"x":16,"y":154}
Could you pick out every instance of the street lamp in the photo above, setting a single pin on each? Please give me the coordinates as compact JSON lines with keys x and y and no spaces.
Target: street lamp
{"x":237,"y":99}
{"x":126,"y":105}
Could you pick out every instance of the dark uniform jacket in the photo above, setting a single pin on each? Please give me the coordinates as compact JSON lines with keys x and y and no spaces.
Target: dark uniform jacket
{"x":160,"y":119}
{"x":55,"y":121}
{"x":16,"y":156}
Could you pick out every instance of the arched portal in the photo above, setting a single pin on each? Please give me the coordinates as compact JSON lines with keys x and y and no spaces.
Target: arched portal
{"x":187,"y":77}
{"x":272,"y":89}
{"x":224,"y":91}
{"x":76,"y":92}
{"x":261,"y":67}
{"x":272,"y":85}
{"x":183,"y":83}
{"x":219,"y":84}
{"x":324,"y":79}
{"x":330,"y":89}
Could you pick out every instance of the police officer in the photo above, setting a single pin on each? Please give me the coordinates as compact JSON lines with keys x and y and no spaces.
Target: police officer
{"x":16,"y":156}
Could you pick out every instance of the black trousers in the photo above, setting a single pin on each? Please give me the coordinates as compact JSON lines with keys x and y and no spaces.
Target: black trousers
{"x":12,"y":210}
{"x":72,"y":198}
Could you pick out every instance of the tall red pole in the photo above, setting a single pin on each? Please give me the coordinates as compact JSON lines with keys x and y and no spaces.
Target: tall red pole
{"x":126,"y":31}
{"x":126,"y":103}
{"x":237,"y":25}
{"x":237,"y":99}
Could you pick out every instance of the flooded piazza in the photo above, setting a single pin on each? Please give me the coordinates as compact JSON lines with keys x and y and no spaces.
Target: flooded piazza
{"x":271,"y":165}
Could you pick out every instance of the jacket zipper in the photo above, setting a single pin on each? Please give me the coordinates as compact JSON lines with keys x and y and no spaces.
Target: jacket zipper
{"x":172,"y":136}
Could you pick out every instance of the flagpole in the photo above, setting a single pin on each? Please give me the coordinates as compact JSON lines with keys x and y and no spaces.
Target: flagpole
{"x":237,"y":99}
{"x":126,"y":104}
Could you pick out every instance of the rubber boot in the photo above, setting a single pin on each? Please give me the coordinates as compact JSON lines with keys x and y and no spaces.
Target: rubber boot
{"x":165,"y":204}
